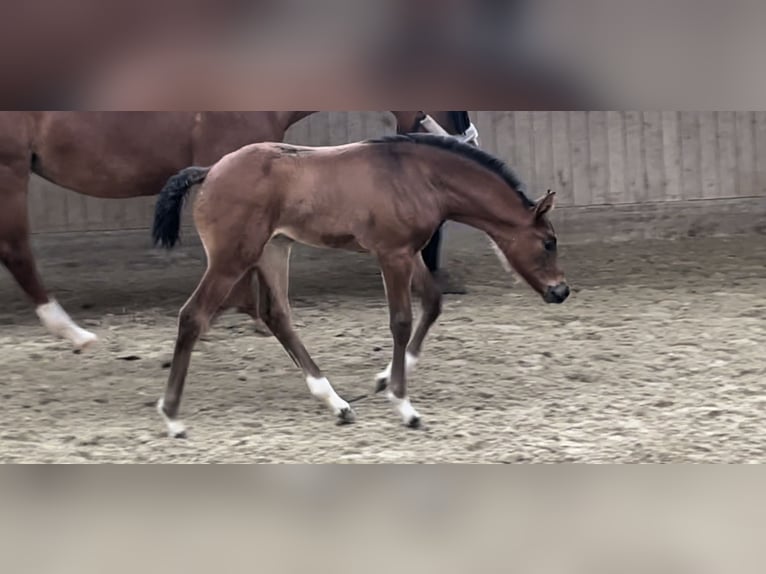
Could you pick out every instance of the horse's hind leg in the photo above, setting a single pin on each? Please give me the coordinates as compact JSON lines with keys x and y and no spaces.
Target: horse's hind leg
{"x":431,"y":304}
{"x":273,"y":271}
{"x":244,"y":298}
{"x":193,"y":320}
{"x":16,"y":254}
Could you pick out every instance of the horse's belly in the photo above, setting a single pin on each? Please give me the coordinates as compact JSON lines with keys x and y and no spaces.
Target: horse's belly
{"x":326,"y":240}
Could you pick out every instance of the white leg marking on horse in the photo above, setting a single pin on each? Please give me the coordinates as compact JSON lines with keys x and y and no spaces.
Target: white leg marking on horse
{"x":410,"y":362}
{"x":322,"y":389}
{"x":404,"y":408}
{"x":176,"y":428}
{"x":59,"y":323}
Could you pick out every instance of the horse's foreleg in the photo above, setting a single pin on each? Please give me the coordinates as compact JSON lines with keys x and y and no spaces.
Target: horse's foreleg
{"x":397,"y":274}
{"x":431,"y":304}
{"x":273,"y":270}
{"x":16,"y":254}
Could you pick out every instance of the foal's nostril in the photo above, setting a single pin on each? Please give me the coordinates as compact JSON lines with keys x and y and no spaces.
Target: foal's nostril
{"x":557,"y":293}
{"x":562,"y":291}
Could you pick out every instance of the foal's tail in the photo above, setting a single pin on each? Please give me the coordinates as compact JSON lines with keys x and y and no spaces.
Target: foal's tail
{"x":167,"y":212}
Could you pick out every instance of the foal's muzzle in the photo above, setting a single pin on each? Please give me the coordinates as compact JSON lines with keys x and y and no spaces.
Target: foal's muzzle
{"x":556,"y":293}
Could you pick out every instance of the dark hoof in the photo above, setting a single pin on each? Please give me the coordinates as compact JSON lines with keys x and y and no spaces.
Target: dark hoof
{"x":346,"y":417}
{"x":181,"y":435}
{"x":381,"y":385}
{"x":414,"y":423}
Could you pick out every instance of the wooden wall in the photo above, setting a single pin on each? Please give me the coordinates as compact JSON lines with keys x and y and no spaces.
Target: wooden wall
{"x":591,"y":158}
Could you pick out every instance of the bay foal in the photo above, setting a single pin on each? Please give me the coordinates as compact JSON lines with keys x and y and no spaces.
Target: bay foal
{"x":385,"y":197}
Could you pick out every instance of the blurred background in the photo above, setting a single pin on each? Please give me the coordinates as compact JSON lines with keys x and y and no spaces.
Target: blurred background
{"x":343,"y":54}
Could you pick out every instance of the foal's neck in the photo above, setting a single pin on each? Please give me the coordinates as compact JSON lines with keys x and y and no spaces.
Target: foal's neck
{"x":478,"y":197}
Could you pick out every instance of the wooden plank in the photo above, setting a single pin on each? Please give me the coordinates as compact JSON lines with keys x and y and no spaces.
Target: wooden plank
{"x":708,"y":155}
{"x":690,"y":155}
{"x":727,"y":155}
{"x":355,"y":126}
{"x":501,"y":140}
{"x":562,"y":164}
{"x":37,"y":192}
{"x":139,"y":212}
{"x":77,"y":214}
{"x":580,"y":158}
{"x":113,"y":214}
{"x":524,"y":148}
{"x":381,"y":123}
{"x":654,"y":167}
{"x":760,"y":153}
{"x":745,"y":141}
{"x":543,"y":152}
{"x":487,"y":124}
{"x":299,"y":133}
{"x":319,"y":130}
{"x":634,"y":161}
{"x":49,"y":205}
{"x":58,"y":208}
{"x":671,"y":156}
{"x":337,"y":128}
{"x":616,"y":139}
{"x":598,"y":163}
{"x":92,"y":211}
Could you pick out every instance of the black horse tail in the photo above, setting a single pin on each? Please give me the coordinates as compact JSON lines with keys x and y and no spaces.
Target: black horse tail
{"x":167,"y":213}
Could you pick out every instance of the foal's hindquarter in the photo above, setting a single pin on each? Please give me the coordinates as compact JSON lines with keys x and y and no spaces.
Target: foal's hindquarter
{"x":256,"y":202}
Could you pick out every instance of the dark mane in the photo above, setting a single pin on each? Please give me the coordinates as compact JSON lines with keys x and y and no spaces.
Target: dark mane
{"x":473,"y":153}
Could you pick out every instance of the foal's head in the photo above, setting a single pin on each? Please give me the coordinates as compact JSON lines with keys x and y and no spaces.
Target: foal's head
{"x":530,"y":248}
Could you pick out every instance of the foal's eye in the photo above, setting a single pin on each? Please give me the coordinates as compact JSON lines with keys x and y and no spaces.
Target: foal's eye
{"x":550,"y":245}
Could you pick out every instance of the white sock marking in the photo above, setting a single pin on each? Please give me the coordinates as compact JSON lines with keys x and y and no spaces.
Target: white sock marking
{"x":404,"y":408}
{"x":410,"y":362}
{"x":322,"y":389}
{"x":59,"y":323}
{"x":175,"y":427}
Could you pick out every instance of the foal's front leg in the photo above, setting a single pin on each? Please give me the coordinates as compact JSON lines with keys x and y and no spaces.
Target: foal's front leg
{"x":431,"y":303}
{"x":397,"y":275}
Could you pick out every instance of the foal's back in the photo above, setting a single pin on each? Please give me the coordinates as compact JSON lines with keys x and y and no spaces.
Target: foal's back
{"x":353,"y":196}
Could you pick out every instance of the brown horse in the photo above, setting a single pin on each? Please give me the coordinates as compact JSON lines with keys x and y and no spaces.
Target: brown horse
{"x":121,"y":155}
{"x":394,"y":192}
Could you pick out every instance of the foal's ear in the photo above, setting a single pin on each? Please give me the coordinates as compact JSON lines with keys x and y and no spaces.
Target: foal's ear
{"x":545,"y":204}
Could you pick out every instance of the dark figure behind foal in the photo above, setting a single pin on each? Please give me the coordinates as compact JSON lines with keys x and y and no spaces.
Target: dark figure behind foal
{"x":386,"y":197}
{"x":458,"y":124}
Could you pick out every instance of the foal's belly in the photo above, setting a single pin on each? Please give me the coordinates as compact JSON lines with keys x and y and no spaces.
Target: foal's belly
{"x":327,"y":240}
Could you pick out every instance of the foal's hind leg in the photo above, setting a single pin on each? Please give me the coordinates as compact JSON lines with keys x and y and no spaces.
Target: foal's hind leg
{"x":397,"y":275}
{"x":193,"y":320}
{"x":16,"y":254}
{"x":244,"y":301}
{"x":273,"y":270}
{"x":431,"y":304}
